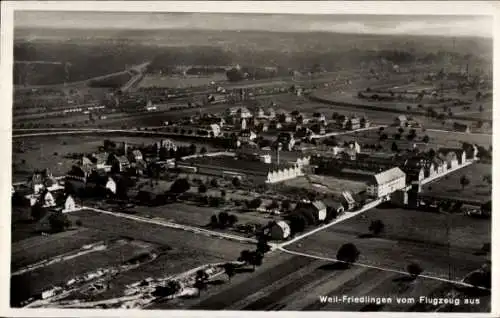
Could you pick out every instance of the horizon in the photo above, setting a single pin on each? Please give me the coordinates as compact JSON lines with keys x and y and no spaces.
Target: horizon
{"x":362,"y":24}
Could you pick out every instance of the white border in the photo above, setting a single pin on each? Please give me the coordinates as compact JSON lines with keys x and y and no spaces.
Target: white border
{"x":298,"y":7}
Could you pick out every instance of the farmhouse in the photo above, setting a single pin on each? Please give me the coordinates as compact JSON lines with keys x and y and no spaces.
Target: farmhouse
{"x":333,"y":205}
{"x":118,"y":163}
{"x":255,"y":171}
{"x":449,"y":156}
{"x":110,"y":185}
{"x":135,"y":155}
{"x":247,"y":135}
{"x":318,"y":208}
{"x":461,"y":127}
{"x":168,"y":144}
{"x":401,"y":120}
{"x":69,"y":204}
{"x":279,"y":230}
{"x":100,"y":161}
{"x":387,"y":182}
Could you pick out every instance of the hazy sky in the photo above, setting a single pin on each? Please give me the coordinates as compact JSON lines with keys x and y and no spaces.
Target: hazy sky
{"x":368,"y":24}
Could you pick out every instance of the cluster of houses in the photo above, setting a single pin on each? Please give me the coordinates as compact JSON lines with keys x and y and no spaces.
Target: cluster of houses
{"x":317,"y":210}
{"x":246,"y":125}
{"x":47,"y":192}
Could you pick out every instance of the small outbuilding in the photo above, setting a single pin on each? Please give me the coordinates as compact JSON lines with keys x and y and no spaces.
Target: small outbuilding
{"x":279,"y":230}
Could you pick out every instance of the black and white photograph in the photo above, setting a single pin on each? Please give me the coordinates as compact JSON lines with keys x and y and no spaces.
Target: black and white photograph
{"x":250,"y":161}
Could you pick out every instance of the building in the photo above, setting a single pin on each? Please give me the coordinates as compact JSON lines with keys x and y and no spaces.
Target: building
{"x":69,"y":204}
{"x":247,"y":135}
{"x":401,"y":121}
{"x":256,"y":171}
{"x":384,"y":183}
{"x":110,"y":185}
{"x":135,"y":156}
{"x":168,"y":144}
{"x":449,"y":156}
{"x":100,"y":160}
{"x":317,"y":208}
{"x":353,"y":123}
{"x":118,"y":163}
{"x":238,"y":112}
{"x":461,"y":127}
{"x":334,"y":206}
{"x":279,"y":231}
{"x":287,"y":140}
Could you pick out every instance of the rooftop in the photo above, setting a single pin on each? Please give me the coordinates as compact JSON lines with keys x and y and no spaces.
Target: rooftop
{"x":389,"y":175}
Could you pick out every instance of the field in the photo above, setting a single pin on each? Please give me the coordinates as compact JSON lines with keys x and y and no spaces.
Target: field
{"x":326,"y":184}
{"x":170,"y":252}
{"x":450,"y":187}
{"x":180,"y":81}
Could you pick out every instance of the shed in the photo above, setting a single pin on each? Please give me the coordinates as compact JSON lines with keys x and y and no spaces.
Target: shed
{"x":279,"y":230}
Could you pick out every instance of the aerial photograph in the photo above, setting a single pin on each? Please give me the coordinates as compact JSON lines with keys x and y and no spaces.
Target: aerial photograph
{"x":251,"y":162}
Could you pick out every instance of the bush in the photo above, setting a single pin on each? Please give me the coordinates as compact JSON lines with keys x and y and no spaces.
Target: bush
{"x":254,"y":204}
{"x":376,"y":227}
{"x":180,"y":186}
{"x":348,"y":253}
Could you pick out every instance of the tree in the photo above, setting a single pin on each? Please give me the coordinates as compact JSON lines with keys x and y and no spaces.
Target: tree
{"x":376,"y":227}
{"x":348,"y":253}
{"x":214,"y":221}
{"x":273,"y":205}
{"x":397,"y":136}
{"x":223,"y":193}
{"x":202,"y":188}
{"x":180,"y":186}
{"x":254,"y":204}
{"x":236,"y":182}
{"x":223,"y":219}
{"x":401,"y":130}
{"x":487,"y":179}
{"x":229,"y":270}
{"x":414,"y":270}
{"x":232,"y":220}
{"x":59,"y":222}
{"x":203,"y":150}
{"x":383,"y":137}
{"x":201,"y":281}
{"x":163,"y":153}
{"x":285,"y":205}
{"x":297,"y":223}
{"x":425,"y":139}
{"x":394,"y":147}
{"x":78,"y":222}
{"x":38,"y":211}
{"x":262,"y":245}
{"x":245,"y":256}
{"x":172,"y":287}
{"x":256,"y":259}
{"x":335,"y":115}
{"x":192,"y":149}
{"x":464,"y":181}
{"x":214,"y":183}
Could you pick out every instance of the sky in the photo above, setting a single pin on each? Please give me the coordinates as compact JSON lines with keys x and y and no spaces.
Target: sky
{"x":450,"y":25}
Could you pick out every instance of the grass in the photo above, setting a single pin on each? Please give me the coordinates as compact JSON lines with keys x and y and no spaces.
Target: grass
{"x":34,"y":249}
{"x":410,"y":236}
{"x":326,"y":184}
{"x":59,"y":273}
{"x":450,"y":186}
{"x":180,"y":81}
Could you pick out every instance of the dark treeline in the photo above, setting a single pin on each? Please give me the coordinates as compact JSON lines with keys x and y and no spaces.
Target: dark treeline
{"x":90,"y":59}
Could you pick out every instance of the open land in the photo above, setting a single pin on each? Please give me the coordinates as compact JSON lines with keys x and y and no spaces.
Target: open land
{"x":449,"y":187}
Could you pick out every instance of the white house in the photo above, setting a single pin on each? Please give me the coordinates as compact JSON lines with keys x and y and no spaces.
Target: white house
{"x":320,"y":210}
{"x":69,"y":204}
{"x":279,"y":230}
{"x":386,"y":182}
{"x":111,"y":185}
{"x":48,"y":200}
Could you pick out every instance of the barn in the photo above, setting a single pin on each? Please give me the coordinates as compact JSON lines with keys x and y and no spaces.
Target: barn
{"x":279,"y":230}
